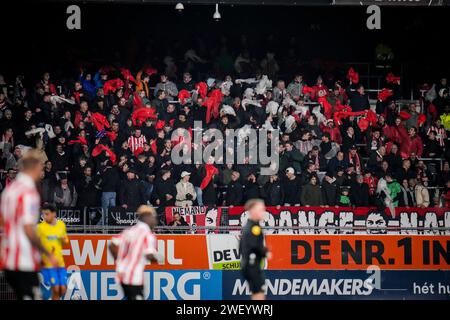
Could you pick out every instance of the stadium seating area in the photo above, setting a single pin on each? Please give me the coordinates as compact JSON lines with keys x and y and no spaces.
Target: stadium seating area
{"x":107,"y":138}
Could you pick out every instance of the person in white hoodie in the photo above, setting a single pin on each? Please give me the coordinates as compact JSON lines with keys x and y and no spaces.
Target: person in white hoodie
{"x":185,"y":191}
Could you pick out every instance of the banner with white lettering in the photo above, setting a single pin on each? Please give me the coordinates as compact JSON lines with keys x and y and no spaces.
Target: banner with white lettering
{"x":341,"y":220}
{"x":71,"y":216}
{"x":197,"y":216}
{"x":118,"y":216}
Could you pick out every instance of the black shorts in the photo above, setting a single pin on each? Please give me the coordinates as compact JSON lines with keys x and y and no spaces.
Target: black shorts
{"x":133,"y":292}
{"x":255,"y":278}
{"x":24,"y":284}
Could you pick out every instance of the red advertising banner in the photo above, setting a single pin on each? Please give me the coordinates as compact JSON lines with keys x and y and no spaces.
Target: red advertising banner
{"x":90,"y":252}
{"x":364,"y":220}
{"x":342,"y":252}
{"x":197,"y":216}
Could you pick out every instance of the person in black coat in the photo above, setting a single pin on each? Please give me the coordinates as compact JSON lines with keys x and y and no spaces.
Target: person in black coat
{"x":235,"y":192}
{"x":87,"y":190}
{"x":109,"y":184}
{"x":165,"y":191}
{"x":359,"y":192}
{"x":273,"y":192}
{"x":330,"y":190}
{"x":131,"y":195}
{"x":359,"y":100}
{"x":251,"y":188}
{"x":60,"y":159}
{"x":394,"y":159}
{"x":292,"y":188}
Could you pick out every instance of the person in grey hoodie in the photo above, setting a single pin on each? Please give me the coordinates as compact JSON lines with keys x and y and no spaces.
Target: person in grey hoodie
{"x":168,"y":87}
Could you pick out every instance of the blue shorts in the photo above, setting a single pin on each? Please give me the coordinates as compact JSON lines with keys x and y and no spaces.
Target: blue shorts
{"x":54,"y":276}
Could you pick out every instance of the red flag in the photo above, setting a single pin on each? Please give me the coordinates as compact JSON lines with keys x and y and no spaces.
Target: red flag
{"x":212,"y":104}
{"x":100,"y":121}
{"x":353,"y":76}
{"x":112,"y":85}
{"x":138,"y":151}
{"x":100,"y":148}
{"x":421,"y":119}
{"x":390,"y":78}
{"x":342,"y":114}
{"x":150,"y":71}
{"x":79,"y":139}
{"x":384,"y":94}
{"x":202,"y":89}
{"x":137,"y":101}
{"x":141,"y":115}
{"x":371,"y":117}
{"x":363,"y":124}
{"x":183,"y":95}
{"x":160,"y":124}
{"x":306,"y":90}
{"x":404,"y":115}
{"x":153,"y":147}
{"x":211,"y":170}
{"x":111,"y":135}
{"x":327,"y":107}
{"x":127,"y":74}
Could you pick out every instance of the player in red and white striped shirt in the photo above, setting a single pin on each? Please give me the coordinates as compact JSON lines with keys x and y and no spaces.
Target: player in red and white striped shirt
{"x":21,"y":247}
{"x":137,"y":140}
{"x":132,"y":249}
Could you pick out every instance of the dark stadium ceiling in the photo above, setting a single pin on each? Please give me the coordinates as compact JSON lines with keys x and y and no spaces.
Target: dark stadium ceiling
{"x":280,"y":2}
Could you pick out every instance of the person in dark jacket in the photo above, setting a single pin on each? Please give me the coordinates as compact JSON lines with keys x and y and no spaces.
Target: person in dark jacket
{"x":359,"y":192}
{"x":251,"y":188}
{"x":273,"y":191}
{"x":87,"y":190}
{"x":60,"y":159}
{"x":359,"y":100}
{"x":329,"y":190}
{"x":394,"y":159}
{"x":311,"y":194}
{"x":292,"y":188}
{"x":432,"y":147}
{"x":235,"y":191}
{"x":178,"y":221}
{"x":109,"y":185}
{"x":165,"y":191}
{"x":131,"y":191}
{"x":187,"y":84}
{"x":337,"y":161}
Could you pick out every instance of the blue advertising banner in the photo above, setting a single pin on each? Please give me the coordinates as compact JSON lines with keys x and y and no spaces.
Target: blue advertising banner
{"x":159,"y":285}
{"x":373,"y":284}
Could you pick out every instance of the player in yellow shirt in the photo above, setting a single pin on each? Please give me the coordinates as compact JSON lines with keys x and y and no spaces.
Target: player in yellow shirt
{"x":53,"y":235}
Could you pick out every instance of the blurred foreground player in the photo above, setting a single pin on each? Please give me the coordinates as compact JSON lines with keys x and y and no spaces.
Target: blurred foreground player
{"x":21,"y":245}
{"x":53,"y":235}
{"x":132,"y":249}
{"x":253,"y":250}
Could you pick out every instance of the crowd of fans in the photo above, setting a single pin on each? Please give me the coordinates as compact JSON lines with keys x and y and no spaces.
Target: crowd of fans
{"x":107,"y":139}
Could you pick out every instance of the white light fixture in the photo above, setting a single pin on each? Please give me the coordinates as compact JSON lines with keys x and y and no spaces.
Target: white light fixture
{"x":216,"y":15}
{"x":179,"y":7}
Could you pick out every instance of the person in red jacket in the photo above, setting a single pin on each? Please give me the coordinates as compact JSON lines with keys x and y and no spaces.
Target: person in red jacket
{"x":335,"y":133}
{"x":319,"y":90}
{"x":411,"y":143}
